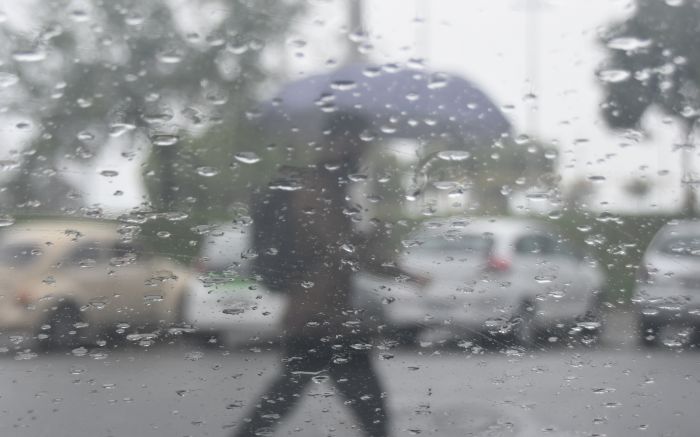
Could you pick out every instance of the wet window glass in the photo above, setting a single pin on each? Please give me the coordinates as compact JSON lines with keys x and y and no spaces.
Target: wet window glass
{"x":349,"y":218}
{"x":19,"y":255}
{"x":466,"y":243}
{"x":682,"y":246}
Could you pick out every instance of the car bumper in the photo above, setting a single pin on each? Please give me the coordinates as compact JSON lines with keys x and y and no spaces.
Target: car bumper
{"x":19,"y":318}
{"x":233,"y":307}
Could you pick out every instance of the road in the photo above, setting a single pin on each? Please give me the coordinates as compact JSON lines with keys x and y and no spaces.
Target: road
{"x":182,"y":389}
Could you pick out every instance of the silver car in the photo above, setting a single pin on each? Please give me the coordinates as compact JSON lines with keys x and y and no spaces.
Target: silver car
{"x":223,"y":301}
{"x":493,"y":277}
{"x":667,"y":294}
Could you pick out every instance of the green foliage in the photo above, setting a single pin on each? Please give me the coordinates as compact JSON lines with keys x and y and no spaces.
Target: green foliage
{"x":656,"y":60}
{"x":128,"y":69}
{"x":617,"y":242}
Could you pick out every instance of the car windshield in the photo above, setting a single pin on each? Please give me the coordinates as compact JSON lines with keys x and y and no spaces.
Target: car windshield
{"x":237,"y":218}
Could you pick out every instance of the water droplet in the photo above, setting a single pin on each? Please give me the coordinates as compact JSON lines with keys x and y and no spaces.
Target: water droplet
{"x":614,"y":76}
{"x":79,"y":16}
{"x":164,"y":140}
{"x":157,"y":118}
{"x":286,"y":185}
{"x":344,"y":85}
{"x":412,"y":97}
{"x":453,"y":155}
{"x":170,"y":57}
{"x":233,"y":311}
{"x":247,"y":157}
{"x":551,"y":154}
{"x":6,"y":220}
{"x":85,"y":136}
{"x":34,"y":55}
{"x":444,"y":185}
{"x":596,"y":178}
{"x":109,"y":173}
{"x":604,"y":390}
{"x":437,"y":80}
{"x":628,"y":43}
{"x":207,"y":172}
{"x":151,"y":298}
{"x":7,"y":79}
{"x":537,"y":196}
{"x":8,"y":164}
{"x":675,"y":3}
{"x":119,"y":129}
{"x":79,"y":352}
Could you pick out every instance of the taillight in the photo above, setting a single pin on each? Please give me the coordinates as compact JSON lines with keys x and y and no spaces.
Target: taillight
{"x":497,"y":264}
{"x":24,"y":297}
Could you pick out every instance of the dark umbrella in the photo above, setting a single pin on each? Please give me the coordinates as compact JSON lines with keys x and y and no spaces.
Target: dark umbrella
{"x":400,"y":102}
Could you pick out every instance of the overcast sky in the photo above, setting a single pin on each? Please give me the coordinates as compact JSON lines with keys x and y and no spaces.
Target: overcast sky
{"x":511,"y":49}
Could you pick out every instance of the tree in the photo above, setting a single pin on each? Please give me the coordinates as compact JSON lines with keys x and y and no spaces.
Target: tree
{"x":654,"y":60}
{"x":131,"y":70}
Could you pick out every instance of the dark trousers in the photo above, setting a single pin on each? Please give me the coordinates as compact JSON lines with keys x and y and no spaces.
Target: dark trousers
{"x":350,"y":369}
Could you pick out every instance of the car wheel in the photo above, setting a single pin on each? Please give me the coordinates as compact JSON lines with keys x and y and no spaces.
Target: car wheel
{"x":590,"y":327}
{"x":406,"y":336}
{"x":648,"y":334}
{"x":62,"y":333}
{"x":524,"y":325}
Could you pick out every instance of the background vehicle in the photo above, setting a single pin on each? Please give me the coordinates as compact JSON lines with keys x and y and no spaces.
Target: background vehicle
{"x":71,"y":282}
{"x":667,"y":294}
{"x":225,"y":303}
{"x":223,"y":299}
{"x":492,"y":276}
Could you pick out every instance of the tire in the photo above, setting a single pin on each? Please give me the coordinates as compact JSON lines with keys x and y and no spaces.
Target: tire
{"x":590,"y":336}
{"x":525,"y":331}
{"x":648,"y":334}
{"x":62,"y":334}
{"x":406,"y":336}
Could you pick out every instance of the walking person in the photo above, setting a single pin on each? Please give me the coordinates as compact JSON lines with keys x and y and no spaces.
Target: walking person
{"x":313,"y":261}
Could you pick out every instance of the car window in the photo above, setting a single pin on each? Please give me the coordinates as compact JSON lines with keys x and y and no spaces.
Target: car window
{"x":687,"y":246}
{"x":536,"y":245}
{"x":475,"y":244}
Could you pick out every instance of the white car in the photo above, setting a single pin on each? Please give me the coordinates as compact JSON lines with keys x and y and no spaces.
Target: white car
{"x":225,"y":303}
{"x":491,"y":276}
{"x":223,"y":300}
{"x":667,"y":294}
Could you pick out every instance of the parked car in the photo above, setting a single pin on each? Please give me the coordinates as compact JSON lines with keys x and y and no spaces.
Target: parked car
{"x":223,"y":299}
{"x":494,"y":277}
{"x":224,"y":302}
{"x":667,"y":292}
{"x":71,"y":282}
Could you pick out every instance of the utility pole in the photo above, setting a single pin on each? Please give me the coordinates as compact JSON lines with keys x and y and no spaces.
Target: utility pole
{"x":689,"y":179}
{"x":356,"y":24}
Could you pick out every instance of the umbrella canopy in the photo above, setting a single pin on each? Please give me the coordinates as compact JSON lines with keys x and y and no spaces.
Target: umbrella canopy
{"x":399,"y":102}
